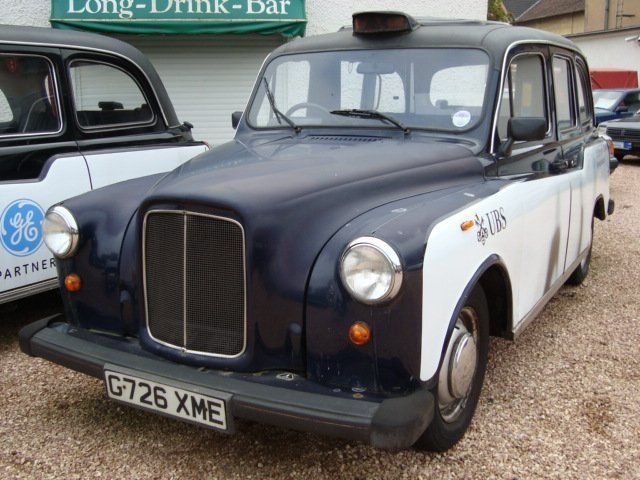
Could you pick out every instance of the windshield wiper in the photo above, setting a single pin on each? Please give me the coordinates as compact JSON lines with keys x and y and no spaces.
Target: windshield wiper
{"x":279,"y":115}
{"x":359,"y":113}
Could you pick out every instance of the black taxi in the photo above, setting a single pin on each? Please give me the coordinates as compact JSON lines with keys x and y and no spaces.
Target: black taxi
{"x":396,"y":193}
{"x":78,"y":111}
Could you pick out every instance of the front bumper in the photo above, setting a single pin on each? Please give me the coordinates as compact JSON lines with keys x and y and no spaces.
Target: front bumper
{"x":392,"y":423}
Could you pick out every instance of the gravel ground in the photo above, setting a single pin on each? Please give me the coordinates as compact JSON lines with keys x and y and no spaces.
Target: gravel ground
{"x":560,"y":402}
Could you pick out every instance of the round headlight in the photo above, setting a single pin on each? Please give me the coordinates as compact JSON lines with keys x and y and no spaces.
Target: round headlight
{"x":371,"y":270}
{"x":60,"y":231}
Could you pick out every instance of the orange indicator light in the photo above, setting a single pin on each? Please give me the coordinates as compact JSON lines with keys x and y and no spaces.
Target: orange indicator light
{"x":359,"y":333}
{"x":72,"y":282}
{"x":464,"y":226}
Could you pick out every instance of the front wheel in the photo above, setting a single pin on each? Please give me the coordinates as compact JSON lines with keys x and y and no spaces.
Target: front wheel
{"x":460,"y":377}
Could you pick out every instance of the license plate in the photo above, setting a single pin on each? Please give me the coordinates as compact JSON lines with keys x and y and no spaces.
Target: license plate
{"x":622,"y":145}
{"x":204,"y":408}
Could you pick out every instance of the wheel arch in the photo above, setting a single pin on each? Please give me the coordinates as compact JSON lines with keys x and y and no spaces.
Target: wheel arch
{"x":496,"y":284}
{"x":492,"y":276}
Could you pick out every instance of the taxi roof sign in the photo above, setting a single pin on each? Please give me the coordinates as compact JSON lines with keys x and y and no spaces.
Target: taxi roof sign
{"x":367,"y":23}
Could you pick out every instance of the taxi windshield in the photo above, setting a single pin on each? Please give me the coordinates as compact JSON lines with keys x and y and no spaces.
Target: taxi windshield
{"x":434,"y":89}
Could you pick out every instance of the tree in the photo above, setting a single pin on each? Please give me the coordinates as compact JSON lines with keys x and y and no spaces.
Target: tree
{"x":497,"y":11}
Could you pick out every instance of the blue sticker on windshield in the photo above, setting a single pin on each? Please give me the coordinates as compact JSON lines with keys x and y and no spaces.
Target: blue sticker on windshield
{"x":21,"y":227}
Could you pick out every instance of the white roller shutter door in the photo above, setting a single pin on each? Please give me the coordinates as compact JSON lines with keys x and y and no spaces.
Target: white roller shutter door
{"x":207,"y":77}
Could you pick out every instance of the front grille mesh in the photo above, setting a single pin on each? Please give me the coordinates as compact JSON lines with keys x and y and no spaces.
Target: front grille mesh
{"x":195,"y":282}
{"x":624,"y":134}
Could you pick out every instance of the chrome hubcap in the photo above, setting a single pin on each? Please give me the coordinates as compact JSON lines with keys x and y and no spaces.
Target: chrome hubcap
{"x":459,"y":366}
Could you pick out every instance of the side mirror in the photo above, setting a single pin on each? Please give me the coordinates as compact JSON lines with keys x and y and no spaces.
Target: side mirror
{"x":523,"y":129}
{"x":235,"y":119}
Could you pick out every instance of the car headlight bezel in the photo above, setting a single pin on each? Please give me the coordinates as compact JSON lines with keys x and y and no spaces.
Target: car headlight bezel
{"x":601,"y":129}
{"x":60,"y":221}
{"x":387,"y":255}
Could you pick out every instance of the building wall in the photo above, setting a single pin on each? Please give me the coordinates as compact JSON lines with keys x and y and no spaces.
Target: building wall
{"x":323,"y":15}
{"x":561,"y":24}
{"x":611,"y":49}
{"x":32,"y":12}
{"x":329,"y":15}
{"x":622,"y":13}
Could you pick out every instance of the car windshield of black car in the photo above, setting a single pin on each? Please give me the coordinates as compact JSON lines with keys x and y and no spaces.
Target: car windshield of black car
{"x":434,"y":89}
{"x":605,"y":99}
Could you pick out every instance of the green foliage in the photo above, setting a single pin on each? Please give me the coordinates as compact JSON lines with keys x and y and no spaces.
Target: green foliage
{"x":497,"y":11}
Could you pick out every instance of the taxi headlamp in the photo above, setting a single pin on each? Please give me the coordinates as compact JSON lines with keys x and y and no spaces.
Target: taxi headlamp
{"x":60,"y":232}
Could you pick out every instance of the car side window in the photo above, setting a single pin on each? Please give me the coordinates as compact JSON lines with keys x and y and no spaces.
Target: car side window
{"x":632,"y":102}
{"x":6,"y":115}
{"x":584,"y":111}
{"x":29,"y":100}
{"x":565,"y":114}
{"x":524,"y":91}
{"x":107,"y":97}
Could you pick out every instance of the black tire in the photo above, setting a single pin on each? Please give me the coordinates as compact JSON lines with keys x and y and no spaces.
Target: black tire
{"x":444,"y":430}
{"x":619,"y":156}
{"x":582,"y":270}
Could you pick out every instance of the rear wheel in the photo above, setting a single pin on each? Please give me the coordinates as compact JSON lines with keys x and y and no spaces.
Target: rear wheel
{"x":582,"y":270}
{"x":460,"y":377}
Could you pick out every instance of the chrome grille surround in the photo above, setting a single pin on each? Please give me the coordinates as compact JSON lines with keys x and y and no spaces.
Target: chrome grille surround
{"x":182,"y":287}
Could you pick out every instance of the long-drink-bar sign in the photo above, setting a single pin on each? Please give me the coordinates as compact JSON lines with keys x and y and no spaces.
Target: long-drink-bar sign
{"x":286,"y":17}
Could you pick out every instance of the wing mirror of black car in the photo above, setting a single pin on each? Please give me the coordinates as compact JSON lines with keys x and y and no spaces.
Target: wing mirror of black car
{"x":235,"y":119}
{"x":522,"y":129}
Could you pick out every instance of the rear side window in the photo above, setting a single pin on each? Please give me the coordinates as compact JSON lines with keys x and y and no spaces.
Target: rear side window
{"x":107,"y":97}
{"x":584,"y":110}
{"x":562,"y":92}
{"x":28,"y":96}
{"x":6,"y":115}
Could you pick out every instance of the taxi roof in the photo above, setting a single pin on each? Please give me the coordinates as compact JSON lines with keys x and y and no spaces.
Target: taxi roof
{"x":494,"y":37}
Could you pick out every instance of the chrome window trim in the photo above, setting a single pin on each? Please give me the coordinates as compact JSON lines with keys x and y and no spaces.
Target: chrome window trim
{"x":532,"y":42}
{"x":104,"y":52}
{"x":185,"y":213}
{"x":52,"y":72}
{"x":108,"y":126}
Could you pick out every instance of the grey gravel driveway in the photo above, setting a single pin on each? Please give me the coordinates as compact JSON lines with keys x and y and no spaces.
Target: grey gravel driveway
{"x":561,"y":402}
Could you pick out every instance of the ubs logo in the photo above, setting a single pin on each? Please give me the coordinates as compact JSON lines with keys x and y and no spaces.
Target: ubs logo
{"x":490,"y":224}
{"x":21,"y":227}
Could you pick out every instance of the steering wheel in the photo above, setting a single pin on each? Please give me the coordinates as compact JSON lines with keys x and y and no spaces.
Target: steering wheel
{"x":312,"y":106}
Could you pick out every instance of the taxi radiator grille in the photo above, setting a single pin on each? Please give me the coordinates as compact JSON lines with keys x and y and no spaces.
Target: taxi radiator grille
{"x":624,"y":134}
{"x":195,"y":286}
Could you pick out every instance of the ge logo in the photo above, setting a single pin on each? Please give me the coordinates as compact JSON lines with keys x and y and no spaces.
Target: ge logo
{"x":21,"y":227}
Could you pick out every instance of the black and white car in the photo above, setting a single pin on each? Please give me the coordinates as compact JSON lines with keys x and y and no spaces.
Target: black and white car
{"x":78,"y":111}
{"x":396,"y":193}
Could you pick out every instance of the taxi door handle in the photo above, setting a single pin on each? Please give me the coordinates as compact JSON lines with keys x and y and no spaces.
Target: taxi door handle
{"x":558,"y":166}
